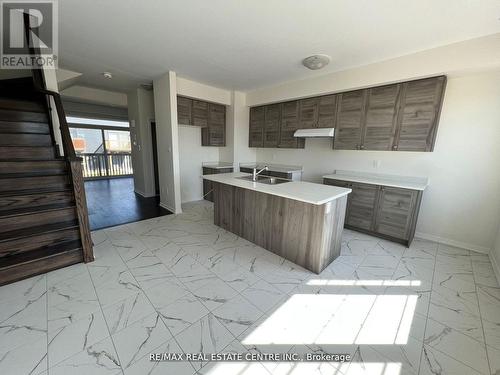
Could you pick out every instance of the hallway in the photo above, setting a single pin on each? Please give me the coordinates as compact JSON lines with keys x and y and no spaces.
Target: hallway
{"x":113,"y":202}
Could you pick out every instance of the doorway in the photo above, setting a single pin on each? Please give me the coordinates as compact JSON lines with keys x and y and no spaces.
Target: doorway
{"x":155,"y":157}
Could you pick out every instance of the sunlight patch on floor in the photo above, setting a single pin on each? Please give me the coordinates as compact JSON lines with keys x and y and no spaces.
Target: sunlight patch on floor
{"x":326,"y":282}
{"x":337,"y":319}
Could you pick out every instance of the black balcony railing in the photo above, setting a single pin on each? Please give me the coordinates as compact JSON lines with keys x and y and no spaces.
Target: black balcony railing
{"x":107,"y":165}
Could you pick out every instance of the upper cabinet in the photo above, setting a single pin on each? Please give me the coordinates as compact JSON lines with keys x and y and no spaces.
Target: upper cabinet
{"x":256,"y":128}
{"x":326,"y":111}
{"x":419,"y":114}
{"x":215,"y":133}
{"x":184,"y":111}
{"x":200,"y":113}
{"x":396,"y":117}
{"x":290,"y":123}
{"x":350,"y":119}
{"x":381,"y":114}
{"x":308,"y":113}
{"x":272,"y":125}
{"x":210,"y":117}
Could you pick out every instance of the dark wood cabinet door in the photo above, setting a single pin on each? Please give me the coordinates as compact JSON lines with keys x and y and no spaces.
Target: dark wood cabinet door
{"x":184,"y":110}
{"x":395,"y":212}
{"x":419,"y":114}
{"x":350,"y":120}
{"x":308,"y":113}
{"x":256,"y":128}
{"x":215,"y":133}
{"x":272,"y":125}
{"x":381,"y":114}
{"x":362,"y":206}
{"x":200,"y":113}
{"x":289,"y":124}
{"x":326,"y":111}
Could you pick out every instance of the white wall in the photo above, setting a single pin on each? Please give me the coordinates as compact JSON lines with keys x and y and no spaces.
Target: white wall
{"x":460,"y":206}
{"x":192,"y":155}
{"x":141,"y":113}
{"x":495,"y":255}
{"x":165,"y":99}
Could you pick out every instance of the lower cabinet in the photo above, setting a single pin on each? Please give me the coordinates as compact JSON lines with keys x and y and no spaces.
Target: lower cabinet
{"x":207,"y":185}
{"x":386,"y":212}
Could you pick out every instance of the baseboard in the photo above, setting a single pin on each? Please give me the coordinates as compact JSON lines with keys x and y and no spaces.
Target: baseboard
{"x":447,"y":241}
{"x":171,"y":209}
{"x":143,"y":194}
{"x":496,"y":267}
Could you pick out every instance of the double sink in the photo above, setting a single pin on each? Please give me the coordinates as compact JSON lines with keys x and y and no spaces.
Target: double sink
{"x":265,"y":180}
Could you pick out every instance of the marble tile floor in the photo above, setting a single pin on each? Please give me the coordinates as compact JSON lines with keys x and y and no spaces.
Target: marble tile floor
{"x":178,"y":283}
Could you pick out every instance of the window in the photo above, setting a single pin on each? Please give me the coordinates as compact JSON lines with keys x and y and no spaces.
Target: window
{"x":103,"y":145}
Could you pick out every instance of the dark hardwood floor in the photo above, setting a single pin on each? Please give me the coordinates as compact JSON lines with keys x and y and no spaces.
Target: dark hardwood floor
{"x":114,"y":202}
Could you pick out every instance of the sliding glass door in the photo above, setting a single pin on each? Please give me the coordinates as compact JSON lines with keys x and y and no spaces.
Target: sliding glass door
{"x":103,"y":145}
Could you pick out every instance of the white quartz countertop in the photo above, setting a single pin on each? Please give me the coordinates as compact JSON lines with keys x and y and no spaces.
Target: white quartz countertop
{"x":404,"y":182}
{"x":273,"y":167}
{"x":307,"y":192}
{"x":217,"y":165}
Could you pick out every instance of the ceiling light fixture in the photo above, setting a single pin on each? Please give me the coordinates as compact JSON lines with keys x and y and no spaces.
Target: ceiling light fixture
{"x":316,"y":62}
{"x":107,"y":75}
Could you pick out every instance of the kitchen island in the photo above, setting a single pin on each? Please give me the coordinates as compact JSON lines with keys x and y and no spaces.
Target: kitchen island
{"x":300,"y":221}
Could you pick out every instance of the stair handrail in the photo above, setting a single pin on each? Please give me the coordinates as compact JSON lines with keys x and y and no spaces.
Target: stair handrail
{"x":75,"y":162}
{"x":41,"y":87}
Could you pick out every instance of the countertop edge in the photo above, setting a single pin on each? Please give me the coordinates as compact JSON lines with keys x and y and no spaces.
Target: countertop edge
{"x":375,"y":181}
{"x":217,"y":178}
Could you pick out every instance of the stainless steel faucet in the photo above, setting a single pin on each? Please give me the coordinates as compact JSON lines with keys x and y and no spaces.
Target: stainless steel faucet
{"x":255,"y":173}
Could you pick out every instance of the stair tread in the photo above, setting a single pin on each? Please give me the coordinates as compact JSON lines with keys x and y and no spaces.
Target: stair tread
{"x":34,"y":231}
{"x":32,"y":174}
{"x":34,"y":209}
{"x":19,"y":259}
{"x":11,"y":193}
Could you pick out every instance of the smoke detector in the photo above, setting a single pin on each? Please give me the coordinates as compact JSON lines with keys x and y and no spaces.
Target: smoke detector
{"x":107,"y":75}
{"x":316,"y":62}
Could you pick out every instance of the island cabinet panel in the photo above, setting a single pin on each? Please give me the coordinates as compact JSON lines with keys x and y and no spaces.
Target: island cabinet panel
{"x":289,"y":124}
{"x":200,"y":113}
{"x":326,"y":111}
{"x":350,"y":120}
{"x":256,"y":128}
{"x":306,"y":234}
{"x":184,"y":110}
{"x":386,"y":212}
{"x":381,"y":115}
{"x":207,"y":185}
{"x":308,"y":113}
{"x":362,"y":202}
{"x":215,"y":133}
{"x":419,"y":114}
{"x":272,"y":125}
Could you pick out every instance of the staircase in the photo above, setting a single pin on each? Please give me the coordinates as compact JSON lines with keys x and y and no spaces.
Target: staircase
{"x":43,"y":214}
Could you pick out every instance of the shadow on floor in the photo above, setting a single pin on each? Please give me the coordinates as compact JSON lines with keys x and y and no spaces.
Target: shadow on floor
{"x":114,"y":202}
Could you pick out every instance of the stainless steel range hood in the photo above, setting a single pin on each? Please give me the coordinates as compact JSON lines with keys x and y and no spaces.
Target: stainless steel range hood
{"x":315,"y":133}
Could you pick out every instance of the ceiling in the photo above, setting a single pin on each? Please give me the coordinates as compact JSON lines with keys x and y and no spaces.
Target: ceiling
{"x":249,"y":44}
